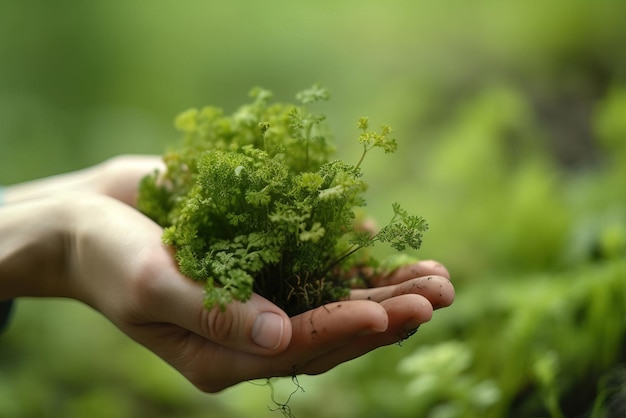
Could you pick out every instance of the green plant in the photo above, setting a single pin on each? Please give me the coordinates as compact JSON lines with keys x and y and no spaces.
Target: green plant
{"x":253,"y":202}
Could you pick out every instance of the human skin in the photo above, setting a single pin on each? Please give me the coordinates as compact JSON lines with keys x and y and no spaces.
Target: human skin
{"x":79,"y":236}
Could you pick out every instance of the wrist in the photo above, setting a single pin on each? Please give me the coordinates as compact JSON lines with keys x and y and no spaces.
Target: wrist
{"x":83,"y":180}
{"x":34,"y":241}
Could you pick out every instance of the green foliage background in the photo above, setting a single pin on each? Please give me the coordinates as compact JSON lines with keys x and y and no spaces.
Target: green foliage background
{"x":511,"y":125}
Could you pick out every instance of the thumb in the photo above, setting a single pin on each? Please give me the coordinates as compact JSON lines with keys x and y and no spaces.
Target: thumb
{"x":256,"y":326}
{"x":121,"y":267}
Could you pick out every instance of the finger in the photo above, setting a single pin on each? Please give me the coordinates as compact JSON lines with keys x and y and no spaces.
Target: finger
{"x":323,"y":338}
{"x":327,"y":328}
{"x":437,"y":290}
{"x":332,"y":334}
{"x":315,"y":333}
{"x":256,"y":326}
{"x":406,"y":313}
{"x":367,"y":225}
{"x":410,"y":271}
{"x":163,"y":295}
{"x":119,"y":177}
{"x":327,"y":325}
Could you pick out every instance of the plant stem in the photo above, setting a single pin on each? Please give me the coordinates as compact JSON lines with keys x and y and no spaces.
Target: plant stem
{"x":365,"y":150}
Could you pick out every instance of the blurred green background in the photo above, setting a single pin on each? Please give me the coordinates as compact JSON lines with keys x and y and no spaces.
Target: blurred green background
{"x":511,"y":122}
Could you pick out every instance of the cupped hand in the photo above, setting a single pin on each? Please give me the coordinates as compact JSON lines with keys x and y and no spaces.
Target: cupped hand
{"x":121,"y":268}
{"x":116,"y":262}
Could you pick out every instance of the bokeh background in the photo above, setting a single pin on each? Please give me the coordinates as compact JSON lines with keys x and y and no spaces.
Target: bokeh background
{"x":511,"y":123}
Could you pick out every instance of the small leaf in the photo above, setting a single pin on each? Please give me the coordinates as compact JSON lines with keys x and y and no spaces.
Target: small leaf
{"x":313,"y":94}
{"x":187,"y":121}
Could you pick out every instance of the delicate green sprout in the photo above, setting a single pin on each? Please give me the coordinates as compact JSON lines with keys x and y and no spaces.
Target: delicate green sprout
{"x":252,"y":202}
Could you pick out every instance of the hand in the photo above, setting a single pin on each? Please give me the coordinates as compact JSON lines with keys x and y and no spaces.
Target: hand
{"x":114,"y":261}
{"x":124,"y":271}
{"x":117,"y":177}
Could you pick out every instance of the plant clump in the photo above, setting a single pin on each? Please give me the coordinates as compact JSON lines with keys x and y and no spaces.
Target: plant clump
{"x":253,"y":202}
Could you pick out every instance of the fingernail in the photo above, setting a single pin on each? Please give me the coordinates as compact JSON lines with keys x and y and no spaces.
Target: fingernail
{"x":267,"y":330}
{"x":376,"y":329}
{"x":368,"y":331}
{"x":409,"y":332}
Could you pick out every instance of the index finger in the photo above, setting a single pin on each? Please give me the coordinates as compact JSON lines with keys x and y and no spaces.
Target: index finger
{"x":410,"y":271}
{"x":437,"y":289}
